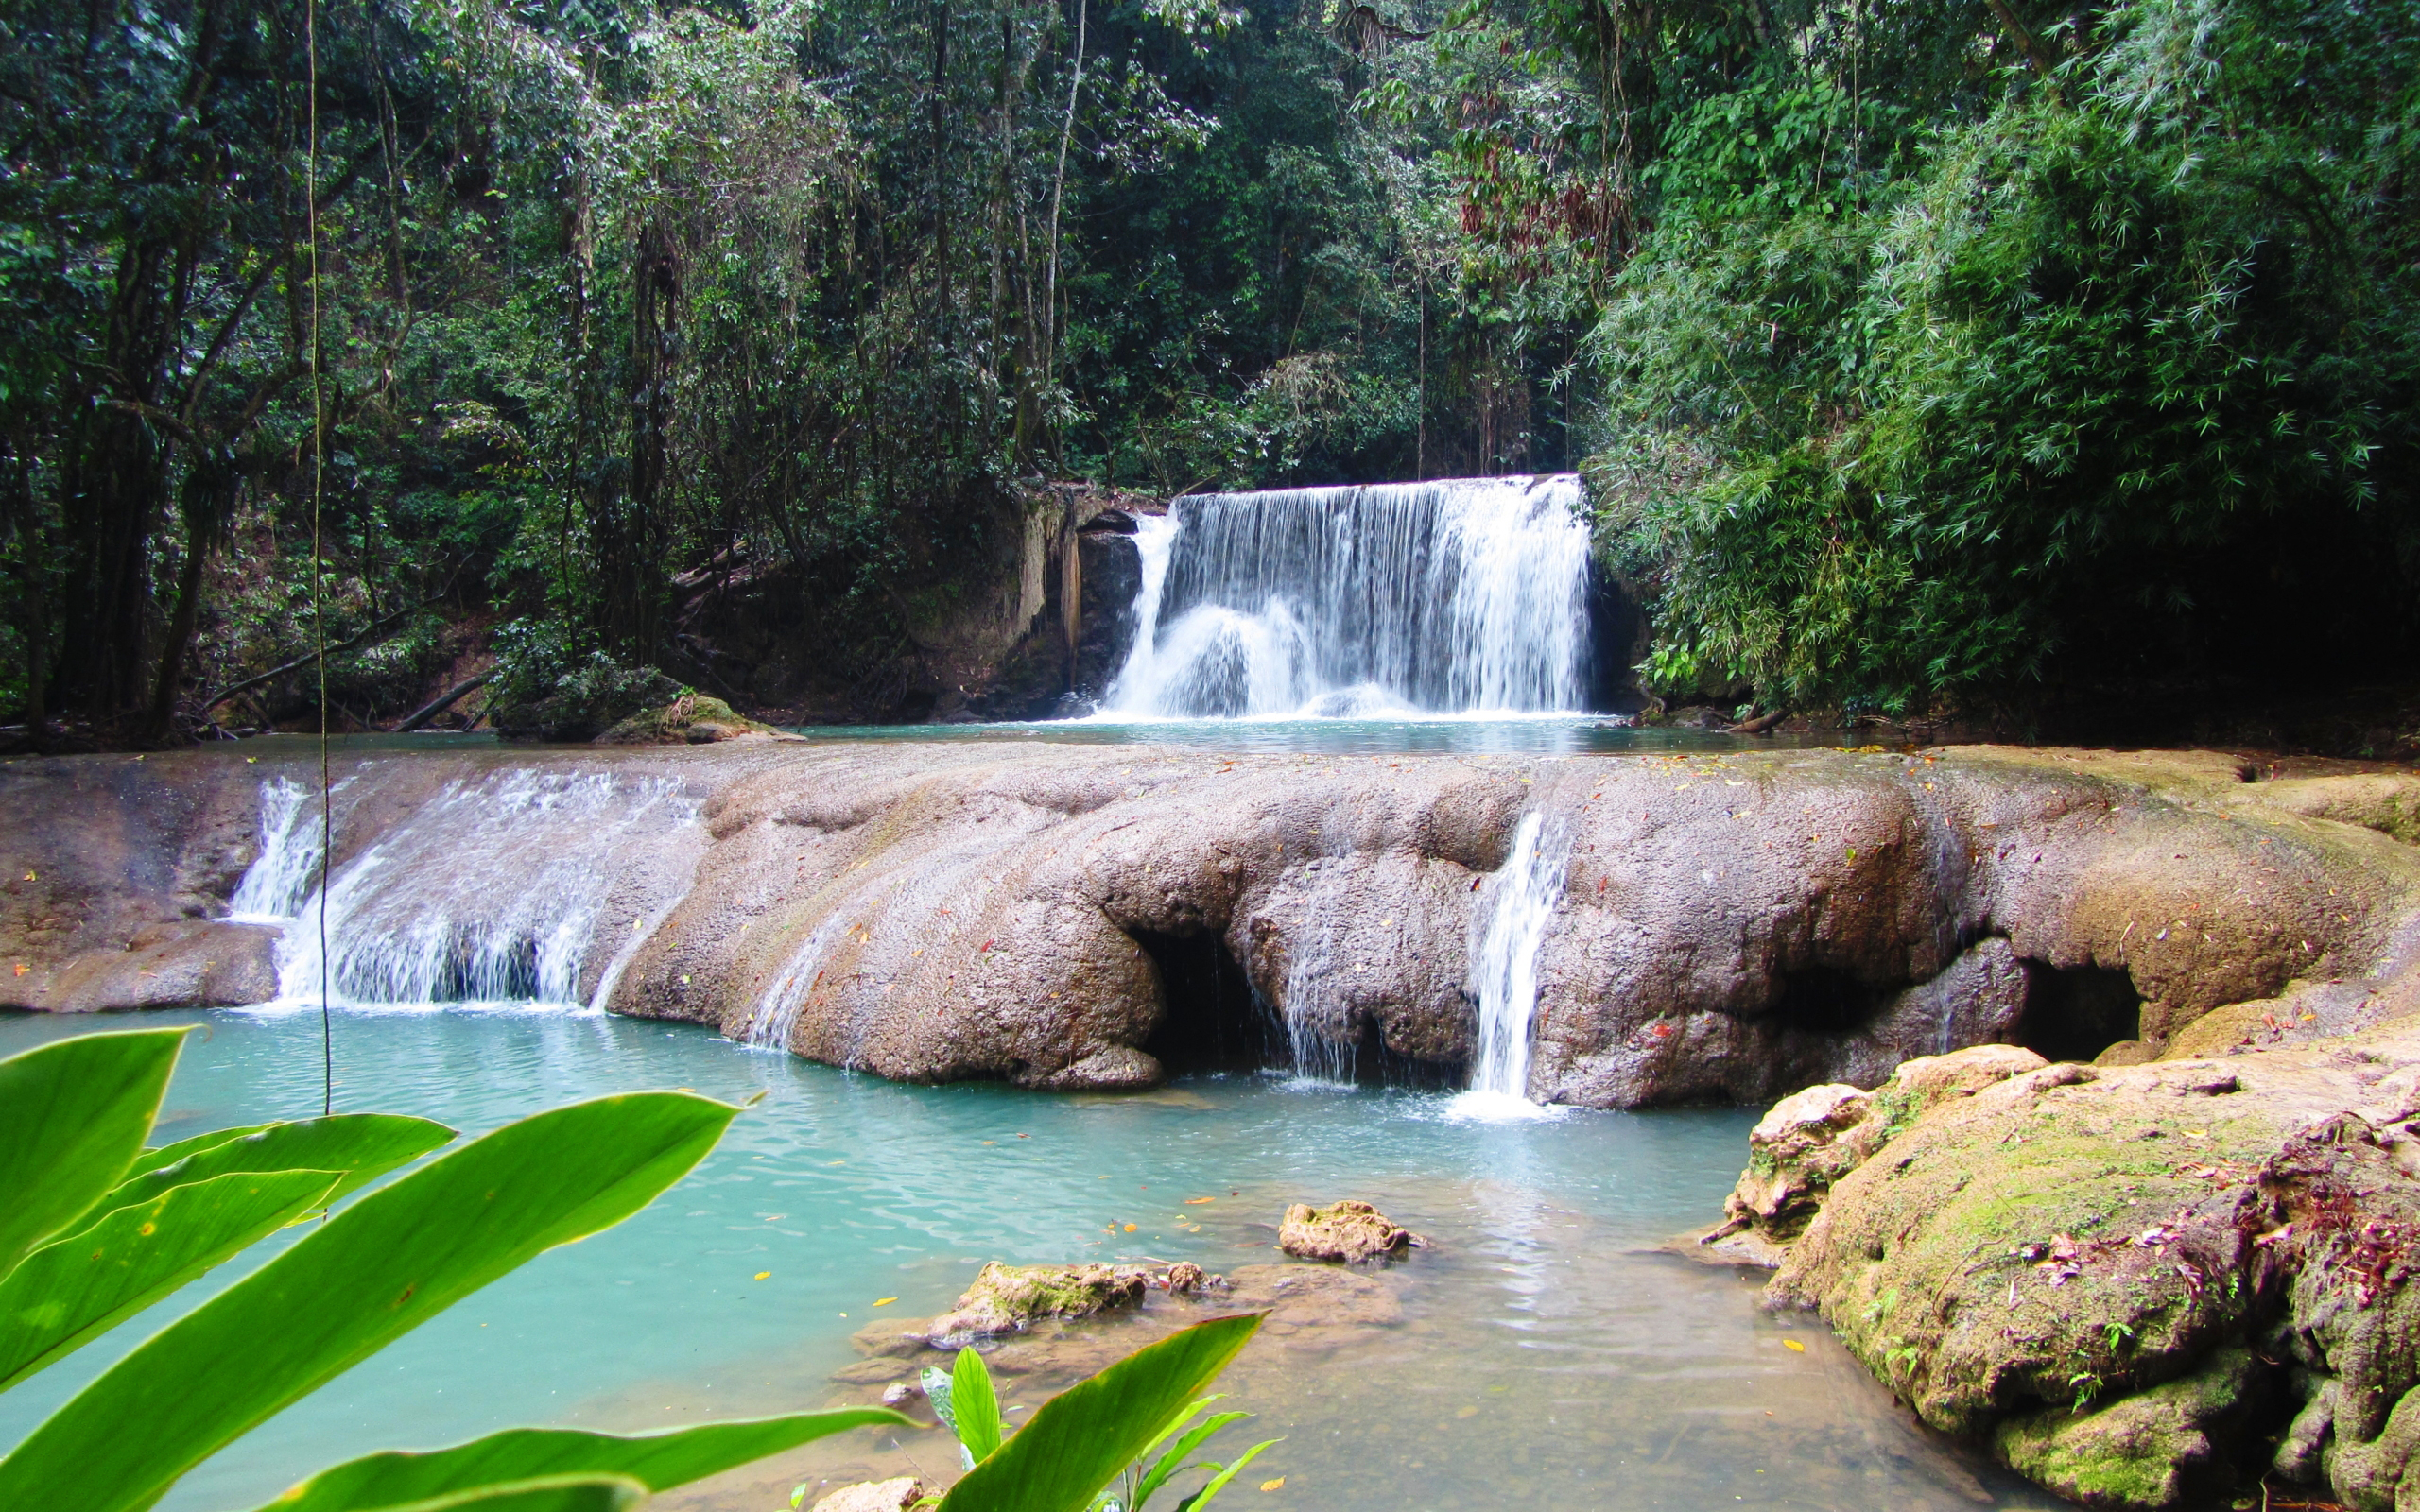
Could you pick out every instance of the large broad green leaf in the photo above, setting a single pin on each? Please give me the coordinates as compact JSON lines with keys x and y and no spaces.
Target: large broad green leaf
{"x":976,"y":1406}
{"x":360,"y":1146}
{"x":73,"y":1115}
{"x":152,"y":1159}
{"x":552,"y":1493}
{"x":73,"y":1288}
{"x":1084,"y":1436}
{"x":657,"y":1460}
{"x":374,"y":1271}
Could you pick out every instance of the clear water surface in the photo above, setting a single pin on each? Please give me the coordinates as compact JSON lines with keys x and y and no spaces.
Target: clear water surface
{"x":1548,"y":1354}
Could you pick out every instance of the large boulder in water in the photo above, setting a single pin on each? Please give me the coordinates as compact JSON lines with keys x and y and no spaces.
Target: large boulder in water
{"x":1354,"y":1232}
{"x":2147,"y":1286}
{"x":1011,"y":1299}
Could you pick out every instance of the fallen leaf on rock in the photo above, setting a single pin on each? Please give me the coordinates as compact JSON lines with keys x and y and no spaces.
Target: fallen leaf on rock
{"x":1794,"y":1345}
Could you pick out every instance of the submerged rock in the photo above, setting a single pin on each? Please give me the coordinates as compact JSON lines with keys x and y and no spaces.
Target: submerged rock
{"x":1354,"y":1232}
{"x":875,"y":1496}
{"x":2142,"y":1284}
{"x":1011,"y":1299}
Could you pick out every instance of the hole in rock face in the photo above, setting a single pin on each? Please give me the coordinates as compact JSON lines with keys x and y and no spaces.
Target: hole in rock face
{"x":1211,"y":1019}
{"x":2074,"y":1013}
{"x":1828,"y":999}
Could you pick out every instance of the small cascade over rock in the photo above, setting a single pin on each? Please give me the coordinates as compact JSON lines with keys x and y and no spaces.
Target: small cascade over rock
{"x":1517,"y":902}
{"x":492,"y":891}
{"x":1456,"y":596}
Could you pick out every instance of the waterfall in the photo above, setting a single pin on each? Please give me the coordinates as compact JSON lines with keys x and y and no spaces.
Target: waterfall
{"x":1517,"y":902}
{"x":1458,"y":596}
{"x":490,"y":892}
{"x":279,"y":882}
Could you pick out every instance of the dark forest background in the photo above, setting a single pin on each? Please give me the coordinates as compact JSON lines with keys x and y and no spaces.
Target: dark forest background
{"x":1919,"y":354}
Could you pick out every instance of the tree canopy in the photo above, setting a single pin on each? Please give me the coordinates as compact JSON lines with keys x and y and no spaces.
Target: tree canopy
{"x":1914,"y":351}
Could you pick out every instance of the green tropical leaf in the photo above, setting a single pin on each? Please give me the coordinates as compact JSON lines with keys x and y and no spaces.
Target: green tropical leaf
{"x":1172,"y":1464}
{"x":657,"y":1460}
{"x":169,"y":1153}
{"x":73,"y":1288}
{"x":361,"y":1147}
{"x":552,"y":1493}
{"x":1219,"y":1483}
{"x":73,"y":1115}
{"x":976,"y":1405}
{"x":376,"y":1270}
{"x":1079,"y":1439}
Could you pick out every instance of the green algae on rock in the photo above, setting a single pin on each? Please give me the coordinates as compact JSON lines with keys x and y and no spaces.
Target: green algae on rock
{"x":1011,"y":1299}
{"x":1354,"y":1232}
{"x":2143,"y":1285}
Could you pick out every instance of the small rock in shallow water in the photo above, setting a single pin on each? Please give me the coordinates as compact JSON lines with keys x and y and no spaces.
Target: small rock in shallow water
{"x":875,"y":1496}
{"x":1350,"y":1231}
{"x":1010,"y":1299}
{"x":900,"y":1392}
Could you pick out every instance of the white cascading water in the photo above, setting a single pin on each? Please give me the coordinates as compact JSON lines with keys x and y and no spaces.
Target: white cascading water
{"x":490,"y":892}
{"x":1515,"y":908}
{"x":278,"y":883}
{"x":1463,"y":595}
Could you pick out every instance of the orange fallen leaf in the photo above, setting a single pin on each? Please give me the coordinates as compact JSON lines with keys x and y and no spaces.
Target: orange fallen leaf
{"x":1130,"y":1228}
{"x":1194,"y":1202}
{"x":1277,"y":1484}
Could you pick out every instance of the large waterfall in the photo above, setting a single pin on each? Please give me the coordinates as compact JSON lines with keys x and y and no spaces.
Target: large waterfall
{"x":1458,"y":596}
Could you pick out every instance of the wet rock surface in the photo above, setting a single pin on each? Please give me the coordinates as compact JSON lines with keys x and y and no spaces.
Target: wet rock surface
{"x":1353,"y":1232}
{"x":1732,"y":925}
{"x":895,"y":1495}
{"x":1011,"y":1299}
{"x":2146,"y":1285}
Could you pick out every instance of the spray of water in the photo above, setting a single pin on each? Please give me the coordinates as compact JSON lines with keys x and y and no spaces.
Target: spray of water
{"x":1458,"y":596}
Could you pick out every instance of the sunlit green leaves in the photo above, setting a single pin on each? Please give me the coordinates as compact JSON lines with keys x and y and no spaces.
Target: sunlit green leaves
{"x":71,"y":1289}
{"x":72,"y":1116}
{"x":1080,"y":1440}
{"x":656,"y":1461}
{"x":378,"y":1268}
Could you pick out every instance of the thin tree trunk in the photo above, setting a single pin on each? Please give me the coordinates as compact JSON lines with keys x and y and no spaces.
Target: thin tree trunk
{"x":1058,"y":188}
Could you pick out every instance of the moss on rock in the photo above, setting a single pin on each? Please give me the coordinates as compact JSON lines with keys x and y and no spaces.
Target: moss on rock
{"x":2144,"y":1453}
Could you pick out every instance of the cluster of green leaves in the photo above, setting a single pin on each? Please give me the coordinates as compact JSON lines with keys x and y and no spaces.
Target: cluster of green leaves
{"x":1097,"y":1447}
{"x":94,"y":1226}
{"x":1930,"y":386}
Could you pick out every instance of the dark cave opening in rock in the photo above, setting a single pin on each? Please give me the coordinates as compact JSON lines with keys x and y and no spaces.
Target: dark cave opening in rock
{"x":1829,"y":1000}
{"x":1211,"y":1019}
{"x":2074,"y":1013}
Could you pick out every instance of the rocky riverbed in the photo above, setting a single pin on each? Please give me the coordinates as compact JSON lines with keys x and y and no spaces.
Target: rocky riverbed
{"x":1730,"y":924}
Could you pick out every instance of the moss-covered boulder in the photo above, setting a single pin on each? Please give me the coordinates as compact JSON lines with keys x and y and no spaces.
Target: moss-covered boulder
{"x":2144,"y":1285}
{"x":1011,"y":1299}
{"x":691,"y":719}
{"x":1354,"y":1232}
{"x":2155,"y":1449}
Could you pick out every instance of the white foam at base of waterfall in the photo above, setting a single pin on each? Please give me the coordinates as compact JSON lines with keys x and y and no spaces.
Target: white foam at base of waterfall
{"x":1458,"y":596}
{"x":1515,"y":908}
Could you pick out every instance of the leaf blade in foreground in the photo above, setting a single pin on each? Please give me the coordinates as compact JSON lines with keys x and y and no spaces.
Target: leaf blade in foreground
{"x":370,"y":1274}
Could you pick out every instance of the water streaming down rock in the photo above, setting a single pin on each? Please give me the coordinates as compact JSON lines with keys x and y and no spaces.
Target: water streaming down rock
{"x":278,"y":883}
{"x":1518,"y":902}
{"x":1461,"y":595}
{"x":1322,"y":1049}
{"x":491,"y":892}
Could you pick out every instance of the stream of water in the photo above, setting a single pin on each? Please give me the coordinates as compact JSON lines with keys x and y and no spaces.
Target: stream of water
{"x":1546,"y":1355}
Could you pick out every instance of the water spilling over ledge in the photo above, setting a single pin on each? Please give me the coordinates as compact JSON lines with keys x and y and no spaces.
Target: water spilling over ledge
{"x":1454,"y":596}
{"x":1604,"y":931}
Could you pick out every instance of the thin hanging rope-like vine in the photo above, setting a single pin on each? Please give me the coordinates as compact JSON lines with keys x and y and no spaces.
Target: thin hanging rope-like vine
{"x":318,"y":601}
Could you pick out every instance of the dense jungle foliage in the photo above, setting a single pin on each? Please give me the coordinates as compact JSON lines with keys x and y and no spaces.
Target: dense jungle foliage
{"x":1915,"y":351}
